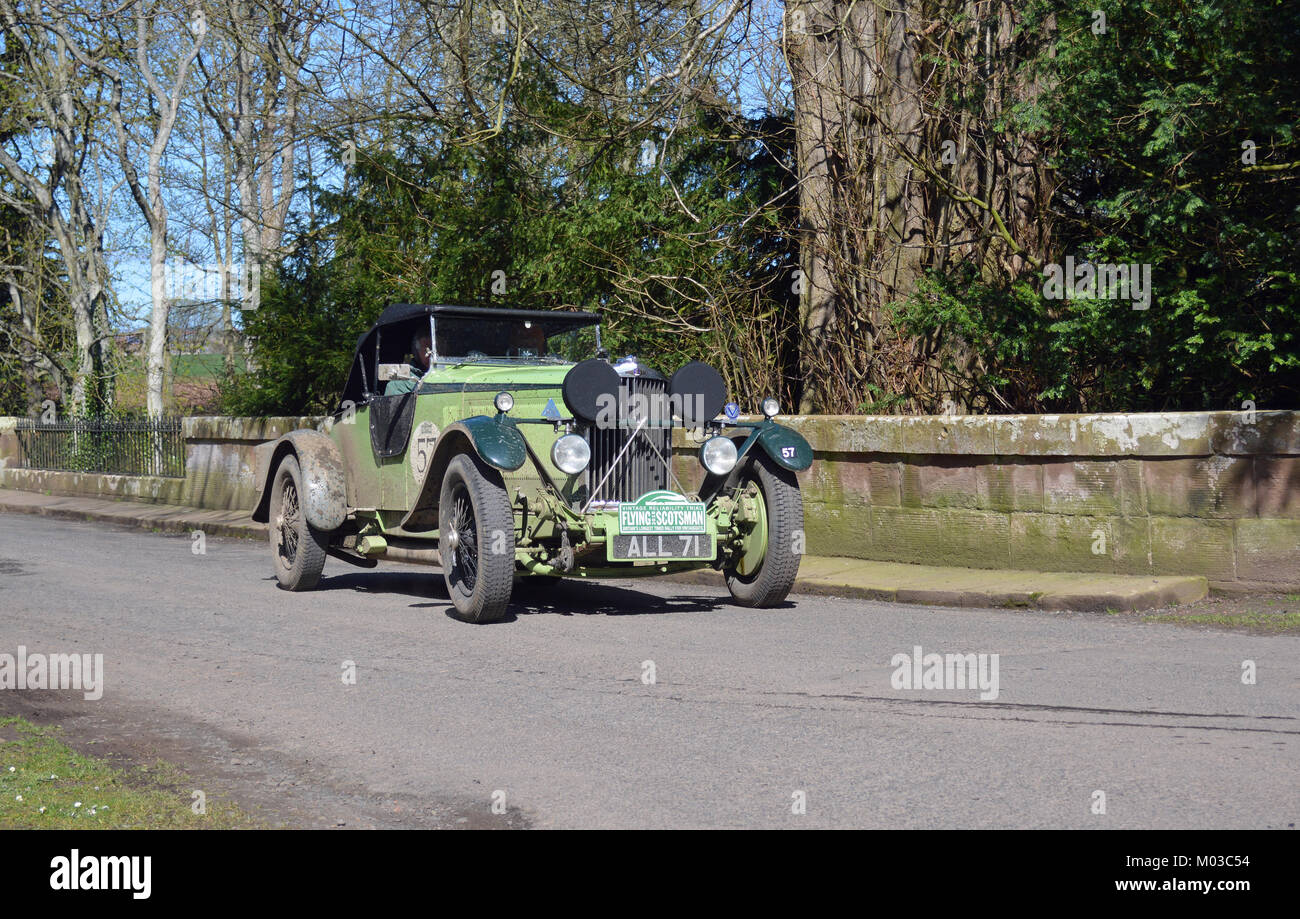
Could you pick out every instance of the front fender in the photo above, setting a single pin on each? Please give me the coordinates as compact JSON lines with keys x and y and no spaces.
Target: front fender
{"x":324,"y":479}
{"x":786,"y":447}
{"x":497,"y":441}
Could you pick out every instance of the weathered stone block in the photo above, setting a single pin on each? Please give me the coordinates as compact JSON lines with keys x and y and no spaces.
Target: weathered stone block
{"x":686,"y":466}
{"x":1060,"y":542}
{"x":1012,"y":486}
{"x":1168,"y":433}
{"x":1259,"y":432}
{"x":1132,"y":494}
{"x":219,"y":475}
{"x":948,"y":435}
{"x":943,"y":481}
{"x":1028,"y":435}
{"x":149,"y":489}
{"x":1062,"y":435}
{"x":910,"y":483}
{"x":1193,"y":545}
{"x":254,"y":430}
{"x":895,"y":433}
{"x":821,"y":483}
{"x":1056,"y":542}
{"x":833,"y":529}
{"x":1211,"y":486}
{"x":1269,"y":551}
{"x":886,"y":482}
{"x":1103,"y":435}
{"x":951,"y":536}
{"x":1277,"y":486}
{"x":10,"y":449}
{"x":854,"y":479}
{"x":1090,"y":487}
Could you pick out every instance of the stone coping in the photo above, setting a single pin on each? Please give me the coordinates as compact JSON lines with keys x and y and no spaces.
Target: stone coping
{"x":1269,"y":433}
{"x":1156,"y":434}
{"x":223,"y":428}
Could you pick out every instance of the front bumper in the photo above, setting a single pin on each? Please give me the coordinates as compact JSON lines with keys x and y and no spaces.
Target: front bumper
{"x":598,"y":548}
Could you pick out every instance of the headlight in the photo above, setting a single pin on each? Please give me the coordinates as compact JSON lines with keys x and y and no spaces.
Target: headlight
{"x":719,"y":455}
{"x":771,"y":407}
{"x":504,"y":402}
{"x":570,"y":454}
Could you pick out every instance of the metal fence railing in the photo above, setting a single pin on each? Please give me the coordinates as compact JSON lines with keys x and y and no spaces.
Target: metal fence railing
{"x":152,"y":446}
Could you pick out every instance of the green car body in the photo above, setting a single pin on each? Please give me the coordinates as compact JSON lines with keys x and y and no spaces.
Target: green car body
{"x":386,"y":475}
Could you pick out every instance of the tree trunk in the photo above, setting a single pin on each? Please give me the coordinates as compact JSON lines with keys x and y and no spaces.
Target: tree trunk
{"x":903,"y":168}
{"x":154,"y":376}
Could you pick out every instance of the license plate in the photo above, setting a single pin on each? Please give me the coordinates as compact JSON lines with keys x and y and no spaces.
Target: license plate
{"x":627,"y":547}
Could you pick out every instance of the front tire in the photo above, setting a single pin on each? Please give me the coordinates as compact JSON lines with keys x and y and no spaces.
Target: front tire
{"x":476,"y":540}
{"x":297,"y":547}
{"x":763,"y":572}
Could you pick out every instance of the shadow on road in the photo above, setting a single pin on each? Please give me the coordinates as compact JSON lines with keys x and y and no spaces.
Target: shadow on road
{"x":533,"y":596}
{"x":406,"y":583}
{"x":586,"y":598}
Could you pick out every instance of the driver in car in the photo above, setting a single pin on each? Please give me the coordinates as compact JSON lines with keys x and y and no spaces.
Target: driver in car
{"x":528,"y":341}
{"x":421,"y":351}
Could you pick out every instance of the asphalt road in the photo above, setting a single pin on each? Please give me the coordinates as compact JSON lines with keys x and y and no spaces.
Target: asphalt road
{"x":209,"y":663}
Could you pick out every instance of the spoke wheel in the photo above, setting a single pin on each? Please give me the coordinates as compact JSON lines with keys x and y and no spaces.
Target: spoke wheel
{"x":763,"y":571}
{"x":298,"y":548}
{"x":476,"y":539}
{"x":463,"y":563}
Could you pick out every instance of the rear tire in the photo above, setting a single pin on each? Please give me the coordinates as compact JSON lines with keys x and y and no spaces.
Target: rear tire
{"x":777,"y":562}
{"x":476,"y":540}
{"x":297,"y":547}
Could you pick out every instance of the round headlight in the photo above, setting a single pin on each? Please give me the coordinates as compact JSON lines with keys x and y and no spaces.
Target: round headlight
{"x":771,"y":406}
{"x":719,"y":455}
{"x":504,"y":402}
{"x":571,"y":454}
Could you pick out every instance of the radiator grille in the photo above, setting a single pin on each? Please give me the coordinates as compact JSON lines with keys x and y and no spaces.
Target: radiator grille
{"x":639,"y":470}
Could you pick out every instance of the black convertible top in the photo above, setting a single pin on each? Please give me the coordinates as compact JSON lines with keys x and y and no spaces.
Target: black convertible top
{"x":399,"y":314}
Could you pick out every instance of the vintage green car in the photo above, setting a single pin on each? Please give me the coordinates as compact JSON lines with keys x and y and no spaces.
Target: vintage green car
{"x":477,"y":440}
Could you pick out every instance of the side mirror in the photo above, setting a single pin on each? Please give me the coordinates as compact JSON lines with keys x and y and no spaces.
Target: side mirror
{"x":389,"y":372}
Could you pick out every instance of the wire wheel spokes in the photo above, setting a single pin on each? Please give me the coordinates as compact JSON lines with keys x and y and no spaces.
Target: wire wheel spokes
{"x":290,"y":514}
{"x":464,"y":563}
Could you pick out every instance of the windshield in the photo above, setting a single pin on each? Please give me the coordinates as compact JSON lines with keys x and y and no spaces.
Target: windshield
{"x":462,"y":340}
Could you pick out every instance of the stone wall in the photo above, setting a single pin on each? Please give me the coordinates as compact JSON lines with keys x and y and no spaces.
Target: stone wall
{"x":1209,"y":493}
{"x":218,"y":466}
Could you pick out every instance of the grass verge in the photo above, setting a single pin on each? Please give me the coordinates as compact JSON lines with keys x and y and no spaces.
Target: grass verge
{"x":44,"y":784}
{"x":1257,"y":613}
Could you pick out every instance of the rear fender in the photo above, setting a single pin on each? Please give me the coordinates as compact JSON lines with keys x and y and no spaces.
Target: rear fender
{"x":324,"y":479}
